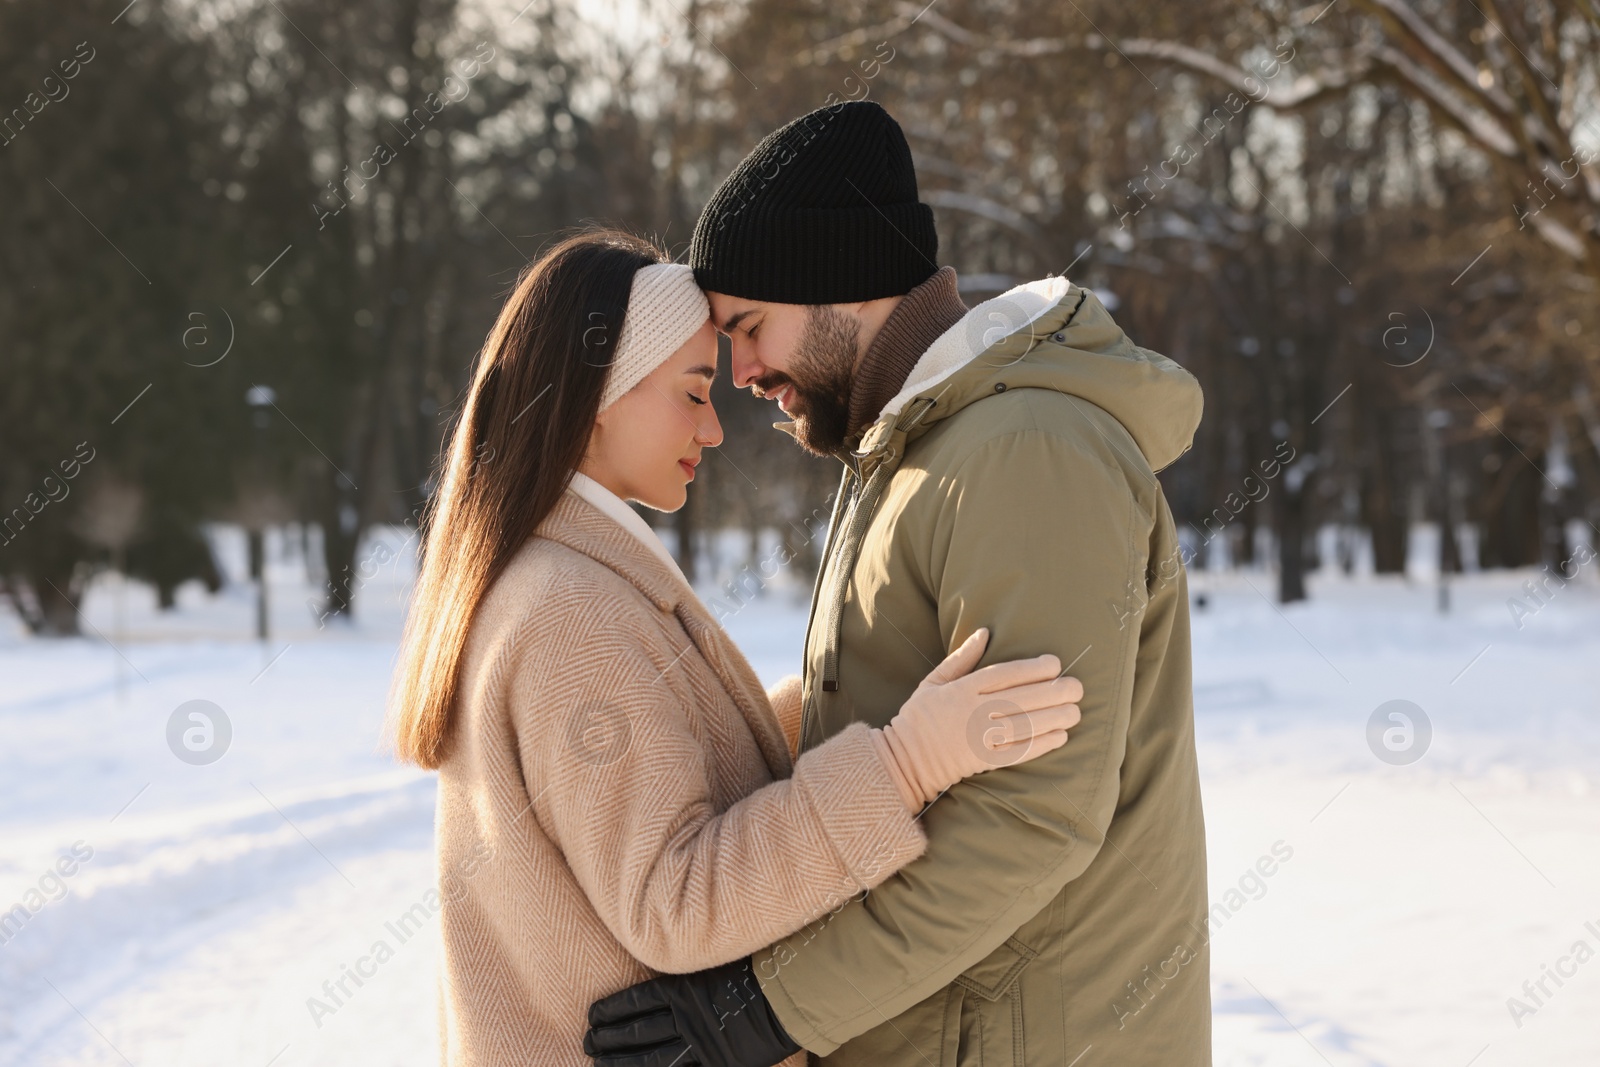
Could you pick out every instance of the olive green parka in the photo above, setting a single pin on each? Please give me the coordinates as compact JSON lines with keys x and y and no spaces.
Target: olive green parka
{"x":1058,"y":916}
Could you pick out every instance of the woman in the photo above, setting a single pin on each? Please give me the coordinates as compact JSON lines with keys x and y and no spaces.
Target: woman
{"x":616,"y":794}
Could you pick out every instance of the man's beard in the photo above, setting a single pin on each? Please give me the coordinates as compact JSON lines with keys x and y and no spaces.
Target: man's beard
{"x":820,"y":376}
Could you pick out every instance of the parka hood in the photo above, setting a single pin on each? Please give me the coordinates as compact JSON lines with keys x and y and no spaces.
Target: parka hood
{"x":1050,"y":334}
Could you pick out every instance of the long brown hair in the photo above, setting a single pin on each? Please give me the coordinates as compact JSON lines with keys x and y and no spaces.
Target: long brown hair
{"x":522,"y":430}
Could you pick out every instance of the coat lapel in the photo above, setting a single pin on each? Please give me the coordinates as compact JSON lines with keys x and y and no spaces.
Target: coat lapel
{"x":740,"y":681}
{"x":582,"y":527}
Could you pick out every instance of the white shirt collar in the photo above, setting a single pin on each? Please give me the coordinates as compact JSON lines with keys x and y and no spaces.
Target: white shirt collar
{"x":626,"y":517}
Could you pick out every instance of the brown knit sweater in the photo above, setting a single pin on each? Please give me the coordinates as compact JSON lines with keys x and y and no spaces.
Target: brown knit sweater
{"x":618,"y":799}
{"x":916,"y":322}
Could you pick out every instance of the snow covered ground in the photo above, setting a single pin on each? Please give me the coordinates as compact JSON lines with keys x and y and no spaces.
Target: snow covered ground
{"x":159,"y":910}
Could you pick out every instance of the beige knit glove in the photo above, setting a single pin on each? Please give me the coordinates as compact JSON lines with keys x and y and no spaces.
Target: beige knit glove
{"x":960,"y":722}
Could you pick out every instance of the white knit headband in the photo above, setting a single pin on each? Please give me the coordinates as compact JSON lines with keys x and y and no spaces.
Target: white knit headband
{"x":665,"y":309}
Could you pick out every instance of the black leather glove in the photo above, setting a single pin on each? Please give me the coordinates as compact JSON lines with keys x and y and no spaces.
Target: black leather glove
{"x":712,"y":1018}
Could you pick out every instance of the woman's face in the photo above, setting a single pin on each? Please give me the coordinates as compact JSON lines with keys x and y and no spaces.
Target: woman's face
{"x":646,"y":444}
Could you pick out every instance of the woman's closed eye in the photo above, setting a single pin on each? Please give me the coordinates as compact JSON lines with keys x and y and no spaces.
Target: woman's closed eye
{"x":696,"y":399}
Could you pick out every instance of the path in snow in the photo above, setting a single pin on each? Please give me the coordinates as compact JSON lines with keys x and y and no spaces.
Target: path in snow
{"x":219,"y":899}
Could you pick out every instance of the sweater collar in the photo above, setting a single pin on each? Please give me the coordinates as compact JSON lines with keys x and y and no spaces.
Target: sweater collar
{"x":920,"y":318}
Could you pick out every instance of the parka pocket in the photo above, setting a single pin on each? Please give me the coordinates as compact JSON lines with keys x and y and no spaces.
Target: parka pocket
{"x":983,"y":1024}
{"x":990,"y":976}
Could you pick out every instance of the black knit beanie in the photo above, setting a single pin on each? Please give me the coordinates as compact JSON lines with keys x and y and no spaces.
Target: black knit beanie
{"x":823,"y":211}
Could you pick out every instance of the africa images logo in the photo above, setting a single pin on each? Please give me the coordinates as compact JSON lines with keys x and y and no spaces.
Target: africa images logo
{"x":199,"y":732}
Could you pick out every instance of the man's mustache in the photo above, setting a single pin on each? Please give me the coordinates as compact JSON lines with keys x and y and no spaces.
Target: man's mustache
{"x":772,"y":383}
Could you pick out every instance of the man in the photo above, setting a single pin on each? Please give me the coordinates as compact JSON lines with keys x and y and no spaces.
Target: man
{"x":998,"y":472}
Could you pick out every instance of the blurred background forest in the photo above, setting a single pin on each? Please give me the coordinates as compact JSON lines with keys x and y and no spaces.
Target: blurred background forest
{"x":250,"y":249}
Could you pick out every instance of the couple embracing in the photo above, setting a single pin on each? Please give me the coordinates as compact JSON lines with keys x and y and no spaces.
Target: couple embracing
{"x":970,"y":832}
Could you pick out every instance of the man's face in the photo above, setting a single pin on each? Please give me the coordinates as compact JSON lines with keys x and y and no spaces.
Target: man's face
{"x":800,"y":355}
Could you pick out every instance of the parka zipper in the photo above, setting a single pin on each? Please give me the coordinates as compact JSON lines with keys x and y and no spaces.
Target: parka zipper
{"x":845,"y":537}
{"x":866,"y":500}
{"x":849,"y":482}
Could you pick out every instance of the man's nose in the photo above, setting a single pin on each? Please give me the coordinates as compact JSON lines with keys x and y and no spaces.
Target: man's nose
{"x":746,"y":368}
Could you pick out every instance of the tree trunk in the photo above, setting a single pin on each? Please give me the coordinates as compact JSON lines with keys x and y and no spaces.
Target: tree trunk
{"x":1244,"y":544}
{"x":1449,"y":545}
{"x":1381,"y":507}
{"x":58,"y":614}
{"x":258,"y":573}
{"x":1449,"y":548}
{"x":58,"y":599}
{"x":45,"y":596}
{"x":1291,"y":533}
{"x":341,"y":532}
{"x":1511,"y":528}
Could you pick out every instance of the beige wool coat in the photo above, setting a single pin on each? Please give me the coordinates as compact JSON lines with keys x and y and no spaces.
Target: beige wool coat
{"x":619,"y":799}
